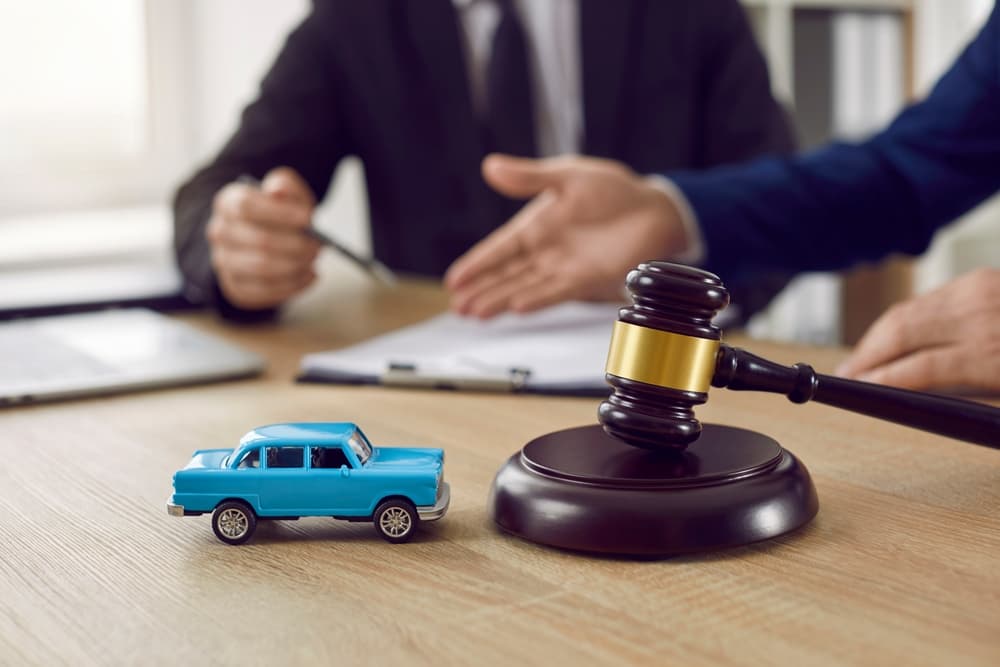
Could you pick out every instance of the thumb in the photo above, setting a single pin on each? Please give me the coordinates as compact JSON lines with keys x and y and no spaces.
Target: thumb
{"x":522,"y":177}
{"x":286,"y":183}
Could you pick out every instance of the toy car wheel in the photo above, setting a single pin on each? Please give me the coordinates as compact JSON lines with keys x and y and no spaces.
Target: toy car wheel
{"x":233,"y":522}
{"x":395,"y":520}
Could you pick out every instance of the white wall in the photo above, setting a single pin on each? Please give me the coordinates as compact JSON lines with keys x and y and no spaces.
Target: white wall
{"x":942,"y":29}
{"x":233,"y":43}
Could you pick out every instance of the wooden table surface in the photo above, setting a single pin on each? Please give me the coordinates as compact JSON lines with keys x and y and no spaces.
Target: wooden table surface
{"x":901,"y":566}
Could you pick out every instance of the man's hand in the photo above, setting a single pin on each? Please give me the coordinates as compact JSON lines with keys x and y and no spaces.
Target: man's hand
{"x":590,"y":222}
{"x":260,"y":251}
{"x":945,"y":339}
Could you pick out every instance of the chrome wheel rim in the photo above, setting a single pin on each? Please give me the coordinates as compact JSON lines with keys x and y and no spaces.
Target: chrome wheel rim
{"x":233,"y":523}
{"x":395,"y":522}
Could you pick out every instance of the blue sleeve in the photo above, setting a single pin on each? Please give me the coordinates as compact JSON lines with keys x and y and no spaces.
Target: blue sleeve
{"x":849,"y":203}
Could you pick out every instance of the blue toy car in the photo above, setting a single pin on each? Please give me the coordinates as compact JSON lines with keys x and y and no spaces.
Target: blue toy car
{"x":287,"y":471}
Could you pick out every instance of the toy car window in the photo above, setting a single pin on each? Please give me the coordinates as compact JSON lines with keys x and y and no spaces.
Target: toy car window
{"x":285,"y":457}
{"x":250,"y":460}
{"x":328,"y":457}
{"x":360,"y":446}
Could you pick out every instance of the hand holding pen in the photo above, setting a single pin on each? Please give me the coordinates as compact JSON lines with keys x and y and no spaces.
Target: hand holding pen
{"x":262,"y":241}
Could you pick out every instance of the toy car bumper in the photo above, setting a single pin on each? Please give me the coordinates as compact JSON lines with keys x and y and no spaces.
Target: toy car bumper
{"x":175,"y":510}
{"x":440,"y":508}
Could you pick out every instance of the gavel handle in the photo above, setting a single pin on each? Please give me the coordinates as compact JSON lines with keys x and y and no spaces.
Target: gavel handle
{"x":973,"y":422}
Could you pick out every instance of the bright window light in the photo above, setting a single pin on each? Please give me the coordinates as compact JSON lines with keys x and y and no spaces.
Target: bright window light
{"x":75,"y":82}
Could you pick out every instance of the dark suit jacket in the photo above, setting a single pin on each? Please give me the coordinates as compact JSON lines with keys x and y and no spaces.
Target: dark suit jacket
{"x":848,"y":203}
{"x":666,"y":84}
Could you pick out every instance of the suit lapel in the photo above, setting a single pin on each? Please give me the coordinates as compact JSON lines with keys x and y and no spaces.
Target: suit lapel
{"x":605,"y":35}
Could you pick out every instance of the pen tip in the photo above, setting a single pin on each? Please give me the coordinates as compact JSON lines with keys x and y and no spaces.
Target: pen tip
{"x":383,"y":273}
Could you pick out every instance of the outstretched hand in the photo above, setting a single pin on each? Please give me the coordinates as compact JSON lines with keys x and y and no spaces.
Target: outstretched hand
{"x":588,"y":223}
{"x":945,"y":339}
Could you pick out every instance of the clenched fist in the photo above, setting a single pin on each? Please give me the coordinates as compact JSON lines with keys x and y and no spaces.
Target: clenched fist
{"x":260,"y":250}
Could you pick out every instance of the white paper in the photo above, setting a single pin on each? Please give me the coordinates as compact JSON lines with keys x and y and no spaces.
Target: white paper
{"x":562,"y":346}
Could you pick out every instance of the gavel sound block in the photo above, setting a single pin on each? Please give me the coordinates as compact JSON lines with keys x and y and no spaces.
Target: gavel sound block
{"x":650,"y":479}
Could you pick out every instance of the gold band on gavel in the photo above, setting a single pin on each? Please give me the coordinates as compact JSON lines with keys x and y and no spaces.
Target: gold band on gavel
{"x":662,"y":358}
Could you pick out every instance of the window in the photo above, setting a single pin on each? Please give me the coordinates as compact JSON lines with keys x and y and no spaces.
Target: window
{"x":362,"y":449}
{"x":285,"y":457}
{"x":93,"y":116}
{"x":329,"y":457}
{"x":81,"y":90}
{"x":250,"y":460}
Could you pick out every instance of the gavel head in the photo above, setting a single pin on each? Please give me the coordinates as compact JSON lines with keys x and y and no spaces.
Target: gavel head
{"x":663,"y":355}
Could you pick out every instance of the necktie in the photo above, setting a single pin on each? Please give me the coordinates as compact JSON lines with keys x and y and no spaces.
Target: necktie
{"x":510,"y":109}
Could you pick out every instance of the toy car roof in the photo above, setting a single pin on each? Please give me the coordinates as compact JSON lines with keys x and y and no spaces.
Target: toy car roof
{"x":305,"y":433}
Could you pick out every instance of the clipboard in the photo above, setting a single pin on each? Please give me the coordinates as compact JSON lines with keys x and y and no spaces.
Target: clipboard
{"x":560,"y":350}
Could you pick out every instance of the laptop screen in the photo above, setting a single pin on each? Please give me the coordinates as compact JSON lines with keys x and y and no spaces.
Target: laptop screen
{"x":88,"y":260}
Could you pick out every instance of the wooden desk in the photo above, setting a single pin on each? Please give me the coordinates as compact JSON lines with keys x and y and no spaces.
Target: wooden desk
{"x":901,"y":566}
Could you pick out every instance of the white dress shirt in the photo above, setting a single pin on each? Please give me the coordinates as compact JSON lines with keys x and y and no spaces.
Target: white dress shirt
{"x":552,"y":33}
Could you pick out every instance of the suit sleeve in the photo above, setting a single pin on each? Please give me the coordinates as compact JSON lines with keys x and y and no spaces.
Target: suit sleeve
{"x":741,"y":119}
{"x":293,"y":122}
{"x":848,"y":203}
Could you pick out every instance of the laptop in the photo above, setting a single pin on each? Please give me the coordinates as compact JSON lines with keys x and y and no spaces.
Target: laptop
{"x":110,"y":351}
{"x":78,"y":266}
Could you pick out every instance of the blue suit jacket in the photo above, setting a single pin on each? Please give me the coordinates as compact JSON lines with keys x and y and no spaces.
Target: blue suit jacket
{"x":847,"y":203}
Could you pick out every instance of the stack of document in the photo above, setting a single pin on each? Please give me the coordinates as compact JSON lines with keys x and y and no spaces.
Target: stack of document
{"x":559,"y":350}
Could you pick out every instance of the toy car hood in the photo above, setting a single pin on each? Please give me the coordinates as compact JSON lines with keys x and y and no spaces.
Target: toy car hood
{"x":410,"y":457}
{"x":208,"y":458}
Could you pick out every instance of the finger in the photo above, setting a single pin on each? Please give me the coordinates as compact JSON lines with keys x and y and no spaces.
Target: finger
{"x":247,"y":235}
{"x":486,"y":257}
{"x":463,"y":298}
{"x":497,"y":298}
{"x":274,"y":288}
{"x":903,"y":329}
{"x":547,"y":293}
{"x":503,"y":297}
{"x":252,"y":264}
{"x":520,"y":236}
{"x":241,"y":201}
{"x":523,"y":177}
{"x":947,"y":367}
{"x":286,"y":183}
{"x":256,"y":294}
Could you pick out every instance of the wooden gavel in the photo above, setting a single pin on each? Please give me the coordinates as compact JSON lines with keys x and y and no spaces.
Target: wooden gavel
{"x":665,"y":353}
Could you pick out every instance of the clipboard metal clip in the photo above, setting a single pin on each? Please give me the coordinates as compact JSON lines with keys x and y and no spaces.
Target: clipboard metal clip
{"x":405,"y":374}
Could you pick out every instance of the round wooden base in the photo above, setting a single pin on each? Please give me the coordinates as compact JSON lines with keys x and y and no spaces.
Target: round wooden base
{"x":584,"y":490}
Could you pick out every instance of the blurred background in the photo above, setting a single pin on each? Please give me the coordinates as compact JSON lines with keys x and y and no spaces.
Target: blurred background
{"x":106,"y":106}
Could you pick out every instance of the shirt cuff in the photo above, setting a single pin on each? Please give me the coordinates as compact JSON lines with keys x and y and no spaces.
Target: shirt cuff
{"x":693,"y":253}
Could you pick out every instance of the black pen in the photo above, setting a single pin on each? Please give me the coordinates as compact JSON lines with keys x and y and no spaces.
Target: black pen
{"x":372,"y":266}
